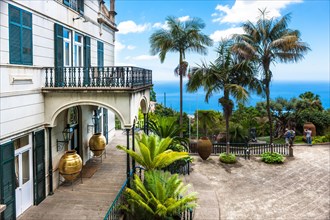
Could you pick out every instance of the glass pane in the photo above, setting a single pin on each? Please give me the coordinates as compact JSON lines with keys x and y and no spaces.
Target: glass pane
{"x":16,"y":171}
{"x":66,"y":33}
{"x":75,"y":55}
{"x":21,"y":142}
{"x":26,"y":166}
{"x":67,"y":53}
{"x":79,"y":56}
{"x":77,"y":38}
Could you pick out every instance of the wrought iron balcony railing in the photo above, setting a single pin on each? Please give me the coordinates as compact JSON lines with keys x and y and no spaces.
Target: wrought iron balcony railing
{"x":110,"y":77}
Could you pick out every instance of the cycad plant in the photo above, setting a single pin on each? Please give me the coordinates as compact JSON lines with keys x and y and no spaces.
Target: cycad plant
{"x":153,"y":152}
{"x":159,"y":196}
{"x":168,"y":127}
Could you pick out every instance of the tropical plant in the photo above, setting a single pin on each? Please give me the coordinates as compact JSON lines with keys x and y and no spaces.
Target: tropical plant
{"x":273,"y":157}
{"x":227,"y":74}
{"x":180,"y":37}
{"x":153,"y":152}
{"x":206,"y":119}
{"x":160,"y":196}
{"x":168,"y":127}
{"x":227,"y":158}
{"x":267,"y":42}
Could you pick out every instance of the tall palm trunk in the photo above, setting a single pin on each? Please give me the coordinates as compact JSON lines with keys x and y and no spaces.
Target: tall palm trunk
{"x":269,"y":116}
{"x":181,"y":76}
{"x":227,"y":133}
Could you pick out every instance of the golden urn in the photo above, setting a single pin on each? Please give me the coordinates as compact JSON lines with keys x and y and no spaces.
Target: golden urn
{"x":70,"y":165}
{"x":97,"y":144}
{"x":204,"y":147}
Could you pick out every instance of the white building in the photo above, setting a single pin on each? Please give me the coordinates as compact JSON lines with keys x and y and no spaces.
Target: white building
{"x":57,"y":71}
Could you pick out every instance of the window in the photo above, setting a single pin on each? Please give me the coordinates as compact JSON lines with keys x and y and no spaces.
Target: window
{"x":77,"y":5}
{"x":78,"y":50}
{"x":20,"y":36}
{"x":67,"y":47}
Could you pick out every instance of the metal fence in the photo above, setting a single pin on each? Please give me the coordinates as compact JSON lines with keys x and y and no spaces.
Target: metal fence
{"x":244,"y":149}
{"x":111,"y":77}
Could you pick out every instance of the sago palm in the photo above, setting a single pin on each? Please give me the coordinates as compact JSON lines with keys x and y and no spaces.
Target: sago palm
{"x":159,"y":196}
{"x":180,"y":37}
{"x":168,"y":127}
{"x":153,"y":152}
{"x":267,"y":42}
{"x":227,"y":74}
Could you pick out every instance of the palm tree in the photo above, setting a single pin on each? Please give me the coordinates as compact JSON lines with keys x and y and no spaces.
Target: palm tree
{"x":207,"y":118}
{"x":267,"y":42}
{"x":180,"y":37}
{"x":159,"y":196}
{"x":227,"y":74}
{"x":153,"y":152}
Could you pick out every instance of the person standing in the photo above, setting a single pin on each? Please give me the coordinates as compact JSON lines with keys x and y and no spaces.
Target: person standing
{"x":287,"y":136}
{"x":308,"y":133}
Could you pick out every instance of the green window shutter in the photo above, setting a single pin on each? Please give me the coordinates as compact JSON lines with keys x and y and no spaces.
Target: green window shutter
{"x":7,"y":180}
{"x":14,"y":35}
{"x":58,"y":48}
{"x":20,"y":36}
{"x":39,"y":167}
{"x":87,"y":59}
{"x":81,"y":6}
{"x":100,"y":54}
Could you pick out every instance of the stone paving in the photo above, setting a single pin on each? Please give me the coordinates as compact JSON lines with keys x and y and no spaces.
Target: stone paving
{"x":251,"y":189}
{"x":90,"y":199}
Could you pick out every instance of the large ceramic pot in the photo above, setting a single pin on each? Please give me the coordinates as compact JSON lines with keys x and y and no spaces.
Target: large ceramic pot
{"x":204,"y":147}
{"x":97,"y":144}
{"x":70,"y":165}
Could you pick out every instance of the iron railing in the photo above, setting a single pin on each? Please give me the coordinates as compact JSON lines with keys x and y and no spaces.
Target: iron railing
{"x":244,"y":149}
{"x":110,"y":77}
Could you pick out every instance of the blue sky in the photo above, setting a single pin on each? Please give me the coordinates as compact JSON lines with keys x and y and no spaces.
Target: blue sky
{"x":138,"y":19}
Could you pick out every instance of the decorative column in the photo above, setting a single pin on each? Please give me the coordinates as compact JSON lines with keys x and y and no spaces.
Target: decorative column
{"x":50,"y":162}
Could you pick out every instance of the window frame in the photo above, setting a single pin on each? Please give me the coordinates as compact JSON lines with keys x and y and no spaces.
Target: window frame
{"x":76,"y":46}
{"x":67,"y":41}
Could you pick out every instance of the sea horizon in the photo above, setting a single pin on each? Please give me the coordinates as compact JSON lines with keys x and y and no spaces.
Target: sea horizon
{"x":168,"y":92}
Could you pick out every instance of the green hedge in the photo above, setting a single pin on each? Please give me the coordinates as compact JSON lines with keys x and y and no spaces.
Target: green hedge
{"x":227,"y":158}
{"x":274,"y":157}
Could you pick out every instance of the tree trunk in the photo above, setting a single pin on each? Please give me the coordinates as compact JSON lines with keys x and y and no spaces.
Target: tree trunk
{"x":180,"y":73}
{"x":227,"y":133}
{"x":269,"y":117}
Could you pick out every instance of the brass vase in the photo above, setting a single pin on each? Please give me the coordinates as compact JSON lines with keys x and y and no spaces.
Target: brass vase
{"x":70,"y":165}
{"x":204,"y":147}
{"x":97,"y":144}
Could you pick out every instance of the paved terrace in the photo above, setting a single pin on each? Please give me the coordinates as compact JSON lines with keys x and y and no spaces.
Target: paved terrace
{"x":251,"y":189}
{"x":90,"y":199}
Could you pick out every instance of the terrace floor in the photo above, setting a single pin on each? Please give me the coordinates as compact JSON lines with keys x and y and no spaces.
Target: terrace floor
{"x":251,"y":189}
{"x":90,"y":199}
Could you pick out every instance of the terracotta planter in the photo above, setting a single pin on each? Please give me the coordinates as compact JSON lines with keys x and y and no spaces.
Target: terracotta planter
{"x":97,"y":144}
{"x":70,"y":165}
{"x":311,"y":126}
{"x":204,"y":147}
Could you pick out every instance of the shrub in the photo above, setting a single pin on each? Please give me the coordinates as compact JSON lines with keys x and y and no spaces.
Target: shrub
{"x":227,"y":158}
{"x":274,"y":157}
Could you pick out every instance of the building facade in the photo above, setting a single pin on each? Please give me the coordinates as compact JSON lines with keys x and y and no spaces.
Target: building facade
{"x":57,"y":74}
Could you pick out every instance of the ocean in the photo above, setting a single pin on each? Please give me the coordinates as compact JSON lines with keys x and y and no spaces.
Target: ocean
{"x":168,"y":94}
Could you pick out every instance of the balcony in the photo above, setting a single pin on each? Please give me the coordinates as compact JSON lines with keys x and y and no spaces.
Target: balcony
{"x":97,"y":78}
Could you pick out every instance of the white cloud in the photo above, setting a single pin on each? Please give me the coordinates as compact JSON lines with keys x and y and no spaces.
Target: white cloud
{"x":131,"y":47}
{"x":126,"y":27}
{"x":225,"y":34}
{"x":145,"y":57}
{"x":161,"y":25}
{"x":119,"y":46}
{"x":184,"y":18}
{"x":244,"y":10}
